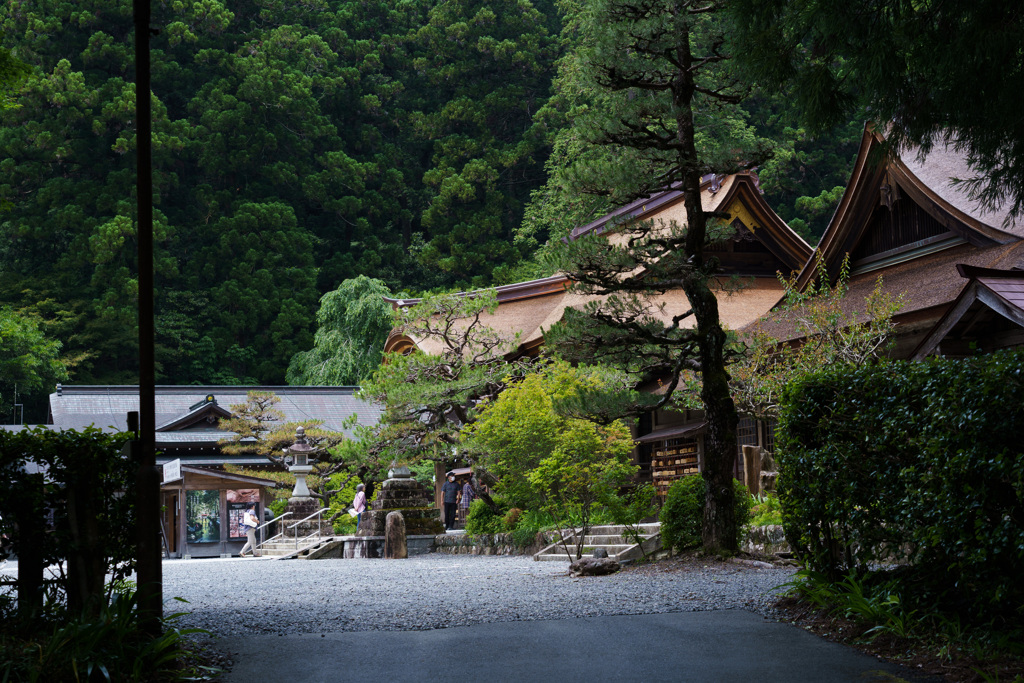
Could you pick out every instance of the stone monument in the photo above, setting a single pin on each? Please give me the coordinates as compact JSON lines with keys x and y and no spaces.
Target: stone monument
{"x":406,"y":495}
{"x":395,"y":547}
{"x":301,"y":504}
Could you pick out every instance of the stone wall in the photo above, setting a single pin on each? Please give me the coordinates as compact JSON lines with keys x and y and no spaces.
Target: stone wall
{"x":490,"y":544}
{"x":765,"y":540}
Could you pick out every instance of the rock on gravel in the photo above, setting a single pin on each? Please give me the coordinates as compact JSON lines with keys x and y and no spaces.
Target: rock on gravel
{"x":233,"y":597}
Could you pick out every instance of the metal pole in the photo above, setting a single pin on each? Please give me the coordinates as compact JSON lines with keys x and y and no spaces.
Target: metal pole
{"x":150,"y":580}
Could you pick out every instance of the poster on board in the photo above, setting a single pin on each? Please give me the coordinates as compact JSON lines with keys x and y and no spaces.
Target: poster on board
{"x":202,"y":516}
{"x":239,"y":500}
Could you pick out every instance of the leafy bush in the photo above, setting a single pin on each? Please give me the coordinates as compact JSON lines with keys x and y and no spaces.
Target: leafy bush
{"x":481,"y":519}
{"x":766,"y":510}
{"x":682,"y":515}
{"x":512,"y":518}
{"x":529,"y":524}
{"x":107,"y":646}
{"x":278,"y":506}
{"x":91,"y":521}
{"x":344,"y":523}
{"x":918,"y":463}
{"x":877,"y":603}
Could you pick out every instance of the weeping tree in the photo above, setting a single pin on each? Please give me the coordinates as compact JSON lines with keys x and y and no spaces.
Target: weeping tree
{"x":651,"y":92}
{"x":352,"y":325}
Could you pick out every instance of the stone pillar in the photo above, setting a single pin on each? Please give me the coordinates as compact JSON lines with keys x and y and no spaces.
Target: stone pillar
{"x":395,"y":547}
{"x":752,"y":469}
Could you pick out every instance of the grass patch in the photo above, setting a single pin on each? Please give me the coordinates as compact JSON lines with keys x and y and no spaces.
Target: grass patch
{"x":106,"y":646}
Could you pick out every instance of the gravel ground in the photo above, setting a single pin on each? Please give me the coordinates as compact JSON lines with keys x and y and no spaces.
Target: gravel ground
{"x":234,"y":596}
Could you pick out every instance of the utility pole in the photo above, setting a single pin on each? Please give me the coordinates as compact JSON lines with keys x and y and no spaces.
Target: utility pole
{"x":147,"y":482}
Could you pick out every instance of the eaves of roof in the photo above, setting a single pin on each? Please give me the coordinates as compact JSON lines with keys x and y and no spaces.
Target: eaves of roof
{"x":873,"y":165}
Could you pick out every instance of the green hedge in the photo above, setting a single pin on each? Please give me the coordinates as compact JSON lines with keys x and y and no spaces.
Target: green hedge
{"x":910,"y":462}
{"x":83,"y":507}
{"x":682,"y":515}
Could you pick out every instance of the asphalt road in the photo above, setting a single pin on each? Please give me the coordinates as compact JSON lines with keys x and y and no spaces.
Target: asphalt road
{"x":724,"y":645}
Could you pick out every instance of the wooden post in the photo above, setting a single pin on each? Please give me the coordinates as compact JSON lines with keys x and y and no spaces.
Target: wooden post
{"x":752,"y":469}
{"x":147,"y":480}
{"x":30,"y":526}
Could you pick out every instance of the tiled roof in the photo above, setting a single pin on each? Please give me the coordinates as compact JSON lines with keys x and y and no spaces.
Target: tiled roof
{"x":106,"y":407}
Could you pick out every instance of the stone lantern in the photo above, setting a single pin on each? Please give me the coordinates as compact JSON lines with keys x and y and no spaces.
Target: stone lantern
{"x":301,"y":505}
{"x":302,"y":464}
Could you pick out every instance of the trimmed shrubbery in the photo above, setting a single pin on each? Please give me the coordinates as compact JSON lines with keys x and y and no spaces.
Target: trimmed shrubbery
{"x":682,"y":515}
{"x":82,"y":621}
{"x":920,"y":464}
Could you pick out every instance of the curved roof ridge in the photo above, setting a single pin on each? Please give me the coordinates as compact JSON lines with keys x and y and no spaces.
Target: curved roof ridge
{"x":927,"y":177}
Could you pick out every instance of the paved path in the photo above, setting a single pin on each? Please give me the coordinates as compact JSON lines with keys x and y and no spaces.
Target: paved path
{"x":501,"y":619}
{"x":724,"y":645}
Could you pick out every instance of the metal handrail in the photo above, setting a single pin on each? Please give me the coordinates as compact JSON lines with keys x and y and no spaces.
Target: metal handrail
{"x":280,"y":516}
{"x":318,"y":525}
{"x":315,"y":514}
{"x":268,"y":540}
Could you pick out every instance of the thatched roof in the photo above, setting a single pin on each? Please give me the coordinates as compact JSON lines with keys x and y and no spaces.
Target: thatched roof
{"x":531,"y":308}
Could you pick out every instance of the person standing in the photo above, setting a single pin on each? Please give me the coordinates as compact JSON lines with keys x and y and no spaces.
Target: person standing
{"x":359,"y":503}
{"x":450,"y":495}
{"x":250,"y":522}
{"x":468,"y":496}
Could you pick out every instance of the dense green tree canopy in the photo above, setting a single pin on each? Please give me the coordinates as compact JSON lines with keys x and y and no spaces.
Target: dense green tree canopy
{"x":295,"y":146}
{"x":931,"y":72}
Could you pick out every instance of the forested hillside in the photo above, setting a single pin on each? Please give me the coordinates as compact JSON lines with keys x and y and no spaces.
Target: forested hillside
{"x":296,"y":145}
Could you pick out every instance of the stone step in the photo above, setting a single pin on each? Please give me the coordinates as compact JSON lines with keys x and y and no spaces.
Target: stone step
{"x":285,"y":548}
{"x":559,"y":558}
{"x":611,"y":538}
{"x":617,"y":539}
{"x":612,"y":550}
{"x":618,"y":529}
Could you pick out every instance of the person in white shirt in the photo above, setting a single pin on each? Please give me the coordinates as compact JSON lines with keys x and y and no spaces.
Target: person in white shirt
{"x":250,"y":522}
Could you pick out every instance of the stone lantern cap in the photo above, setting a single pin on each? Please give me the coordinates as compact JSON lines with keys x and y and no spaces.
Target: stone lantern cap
{"x":301,"y":451}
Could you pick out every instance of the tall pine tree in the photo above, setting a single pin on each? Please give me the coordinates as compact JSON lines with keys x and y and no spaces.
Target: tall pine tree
{"x":654,"y":105}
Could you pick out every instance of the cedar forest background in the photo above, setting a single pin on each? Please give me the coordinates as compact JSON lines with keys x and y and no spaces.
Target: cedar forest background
{"x":298,"y":145}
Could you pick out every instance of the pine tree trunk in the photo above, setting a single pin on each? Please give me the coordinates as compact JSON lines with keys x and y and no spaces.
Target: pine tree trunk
{"x":719,"y":528}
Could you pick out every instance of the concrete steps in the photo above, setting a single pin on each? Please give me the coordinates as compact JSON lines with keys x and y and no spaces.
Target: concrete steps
{"x":284,"y":549}
{"x":609,"y":537}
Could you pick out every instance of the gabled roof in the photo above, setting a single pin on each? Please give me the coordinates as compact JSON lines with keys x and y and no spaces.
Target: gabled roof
{"x":207,"y":412}
{"x":929,"y":283}
{"x":220,"y":474}
{"x":181,"y":411}
{"x":738,"y":195}
{"x":529,"y":308}
{"x":881,"y":178}
{"x":990,"y":309}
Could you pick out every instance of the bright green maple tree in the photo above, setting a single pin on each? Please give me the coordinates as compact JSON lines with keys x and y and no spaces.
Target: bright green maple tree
{"x":542,"y":459}
{"x":29,"y":361}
